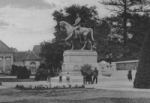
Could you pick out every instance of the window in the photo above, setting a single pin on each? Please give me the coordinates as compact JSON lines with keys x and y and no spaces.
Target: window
{"x":32,"y":63}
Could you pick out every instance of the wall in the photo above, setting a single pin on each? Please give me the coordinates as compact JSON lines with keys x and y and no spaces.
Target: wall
{"x":119,"y":69}
{"x":122,"y":68}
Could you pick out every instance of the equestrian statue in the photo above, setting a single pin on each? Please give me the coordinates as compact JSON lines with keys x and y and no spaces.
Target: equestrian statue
{"x":78,"y":31}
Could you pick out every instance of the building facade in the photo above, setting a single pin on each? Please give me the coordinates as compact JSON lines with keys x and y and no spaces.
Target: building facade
{"x":11,"y":56}
{"x":6,"y":58}
{"x":28,"y":59}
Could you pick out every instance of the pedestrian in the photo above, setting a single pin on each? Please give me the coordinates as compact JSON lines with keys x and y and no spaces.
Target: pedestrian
{"x":68,"y":77}
{"x":49,"y":76}
{"x":60,"y":77}
{"x":95,"y":75}
{"x":130,"y":75}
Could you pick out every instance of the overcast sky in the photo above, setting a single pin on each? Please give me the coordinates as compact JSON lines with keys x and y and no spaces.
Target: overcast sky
{"x":25,"y":23}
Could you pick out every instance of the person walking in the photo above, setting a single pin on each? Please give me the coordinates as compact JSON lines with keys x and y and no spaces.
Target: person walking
{"x":60,"y":77}
{"x":130,"y":75}
{"x":68,"y":77}
{"x":95,"y":75}
{"x":49,"y":76}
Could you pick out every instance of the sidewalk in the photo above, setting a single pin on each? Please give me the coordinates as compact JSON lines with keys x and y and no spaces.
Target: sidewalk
{"x":117,"y":86}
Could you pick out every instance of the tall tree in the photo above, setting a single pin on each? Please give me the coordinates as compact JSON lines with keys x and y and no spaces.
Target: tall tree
{"x":122,"y":8}
{"x":142,"y":78}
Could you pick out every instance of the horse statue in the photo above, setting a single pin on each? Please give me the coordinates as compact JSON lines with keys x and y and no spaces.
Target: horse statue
{"x":87,"y":34}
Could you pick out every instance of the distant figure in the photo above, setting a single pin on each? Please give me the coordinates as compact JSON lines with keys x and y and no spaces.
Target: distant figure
{"x":49,"y":76}
{"x":95,"y":75}
{"x":60,"y":77}
{"x":68,"y":77}
{"x":130,"y":75}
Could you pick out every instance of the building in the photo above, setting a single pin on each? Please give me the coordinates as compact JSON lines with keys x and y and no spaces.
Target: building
{"x":14,"y":50}
{"x":29,"y":59}
{"x":6,"y":58}
{"x":11,"y":56}
{"x":37,"y":49}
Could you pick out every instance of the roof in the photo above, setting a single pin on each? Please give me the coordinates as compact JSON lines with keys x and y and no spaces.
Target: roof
{"x":14,"y":49}
{"x":19,"y":56}
{"x":4,"y":48}
{"x":31,"y":56}
{"x":37,"y":49}
{"x":26,"y":56}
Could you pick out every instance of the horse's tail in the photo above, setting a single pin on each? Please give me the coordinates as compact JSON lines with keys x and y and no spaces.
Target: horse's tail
{"x":91,"y":32}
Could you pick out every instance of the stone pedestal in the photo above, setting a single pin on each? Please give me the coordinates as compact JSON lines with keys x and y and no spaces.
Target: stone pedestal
{"x":75,"y":59}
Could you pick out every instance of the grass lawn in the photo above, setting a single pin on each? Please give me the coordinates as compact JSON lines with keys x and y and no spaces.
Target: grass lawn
{"x":72,"y":96}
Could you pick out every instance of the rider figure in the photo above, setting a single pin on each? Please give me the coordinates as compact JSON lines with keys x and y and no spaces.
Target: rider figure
{"x":77,"y":25}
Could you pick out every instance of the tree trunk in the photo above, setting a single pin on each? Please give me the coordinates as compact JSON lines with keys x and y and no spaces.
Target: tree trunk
{"x":142,"y":78}
{"x":125,"y":23}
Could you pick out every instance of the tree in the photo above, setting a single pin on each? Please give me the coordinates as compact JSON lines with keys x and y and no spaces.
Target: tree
{"x":142,"y":78}
{"x":139,"y":28}
{"x":53,"y":53}
{"x":123,"y":9}
{"x":23,"y":73}
{"x":41,"y":73}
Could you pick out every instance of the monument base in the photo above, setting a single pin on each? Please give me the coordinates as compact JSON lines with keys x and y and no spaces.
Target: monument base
{"x":75,"y":59}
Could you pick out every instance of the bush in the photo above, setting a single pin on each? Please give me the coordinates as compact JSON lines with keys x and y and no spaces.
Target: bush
{"x":23,"y":73}
{"x":86,"y":70}
{"x":41,"y":73}
{"x":15,"y":69}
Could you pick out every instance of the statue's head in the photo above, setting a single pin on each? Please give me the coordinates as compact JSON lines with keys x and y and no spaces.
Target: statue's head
{"x":61,"y":24}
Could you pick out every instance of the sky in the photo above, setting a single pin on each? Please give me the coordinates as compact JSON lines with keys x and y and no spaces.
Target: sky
{"x":25,"y":23}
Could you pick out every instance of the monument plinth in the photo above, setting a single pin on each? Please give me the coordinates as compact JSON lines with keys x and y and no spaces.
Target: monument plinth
{"x":75,"y":59}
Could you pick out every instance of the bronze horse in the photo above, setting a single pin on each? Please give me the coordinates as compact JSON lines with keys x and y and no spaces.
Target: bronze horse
{"x":83,"y":31}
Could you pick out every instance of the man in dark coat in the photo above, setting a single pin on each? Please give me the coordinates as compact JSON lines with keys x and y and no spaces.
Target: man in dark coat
{"x":95,"y":75}
{"x":130,"y":75}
